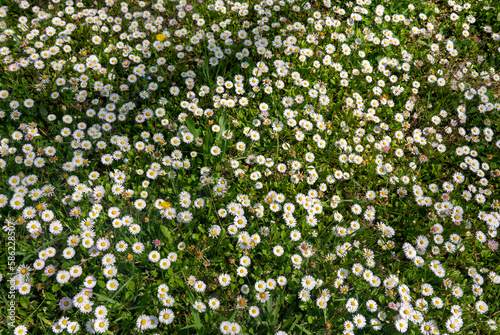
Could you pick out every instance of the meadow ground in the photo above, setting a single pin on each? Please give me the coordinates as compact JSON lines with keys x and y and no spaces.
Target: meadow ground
{"x":259,"y":167}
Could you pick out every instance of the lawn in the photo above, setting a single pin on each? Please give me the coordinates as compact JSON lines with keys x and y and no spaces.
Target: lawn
{"x":259,"y":167}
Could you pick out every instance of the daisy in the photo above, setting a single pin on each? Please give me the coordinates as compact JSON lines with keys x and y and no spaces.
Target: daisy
{"x":278,"y":251}
{"x":401,"y":325}
{"x":308,"y":282}
{"x":352,"y":305}
{"x":348,"y":327}
{"x":102,"y":244}
{"x":282,"y":281}
{"x":138,"y":247}
{"x":73,"y":327}
{"x":63,"y":277}
{"x":481,"y":307}
{"x":224,"y":280}
{"x":65,"y":304}
{"x":371,"y":306}
{"x":359,"y":321}
{"x":304,"y":295}
{"x":101,"y":325}
{"x":437,"y":302}
{"x":262,"y":296}
{"x":166,"y":316}
{"x":253,"y":311}
{"x":76,"y":271}
{"x":24,"y":289}
{"x":21,"y":330}
{"x":143,"y":322}
{"x":199,"y":286}
{"x":213,"y":303}
{"x":199,"y":306}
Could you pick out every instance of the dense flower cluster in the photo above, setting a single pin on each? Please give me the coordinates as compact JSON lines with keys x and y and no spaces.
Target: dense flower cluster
{"x":243,"y":167}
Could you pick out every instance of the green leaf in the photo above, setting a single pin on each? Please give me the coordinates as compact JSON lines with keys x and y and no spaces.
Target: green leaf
{"x":25,"y":302}
{"x":125,"y":285}
{"x":166,"y":232}
{"x":192,"y":128}
{"x":303,"y":329}
{"x":41,"y":316}
{"x":223,"y":121}
{"x":192,"y":326}
{"x":49,"y":296}
{"x":197,"y":321}
{"x":297,"y":319}
{"x":485,"y":253}
{"x":43,"y":110}
{"x":231,"y":318}
{"x":222,"y":125}
{"x":207,"y":143}
{"x":114,"y":302}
